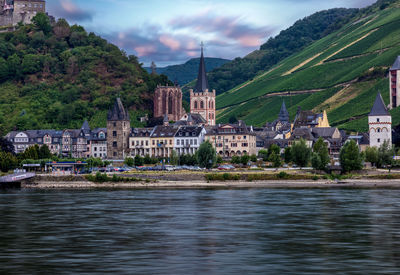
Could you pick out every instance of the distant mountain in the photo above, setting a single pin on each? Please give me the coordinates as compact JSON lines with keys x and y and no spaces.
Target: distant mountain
{"x":186,"y":72}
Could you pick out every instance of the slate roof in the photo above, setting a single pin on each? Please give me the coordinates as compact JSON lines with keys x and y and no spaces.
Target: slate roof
{"x":324,"y":132}
{"x":141,"y":132}
{"x":396,"y":64}
{"x":238,"y":128}
{"x":189,"y":131}
{"x":304,"y":133}
{"x":379,"y":108}
{"x":33,"y":135}
{"x":118,"y":111}
{"x":202,"y":82}
{"x":283,"y":114}
{"x":164,"y":131}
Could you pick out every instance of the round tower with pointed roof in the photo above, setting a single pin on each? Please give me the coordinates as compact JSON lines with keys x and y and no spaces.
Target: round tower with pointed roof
{"x":380,"y":123}
{"x":202,"y":100}
{"x":118,"y":131}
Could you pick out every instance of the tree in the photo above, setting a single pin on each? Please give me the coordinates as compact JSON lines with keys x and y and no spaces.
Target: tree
{"x":385,"y":155}
{"x":263,"y":154}
{"x":129,"y":161}
{"x":42,"y":22}
{"x":301,"y":153}
{"x":275,"y":159}
{"x":350,"y":157}
{"x":6,"y":145}
{"x":253,"y":158}
{"x":7,"y":161}
{"x":316,"y":161}
{"x":273,"y":148}
{"x":44,"y":152}
{"x":138,"y":160}
{"x":235,"y":160}
{"x":31,"y":152}
{"x":219,"y":159}
{"x":288,"y":154}
{"x":371,"y":155}
{"x":245,"y":159}
{"x":321,"y":149}
{"x":174,"y":158}
{"x":205,"y":155}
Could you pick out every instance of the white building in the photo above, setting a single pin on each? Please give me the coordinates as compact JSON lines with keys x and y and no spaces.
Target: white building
{"x":380,"y":124}
{"x":188,"y":139}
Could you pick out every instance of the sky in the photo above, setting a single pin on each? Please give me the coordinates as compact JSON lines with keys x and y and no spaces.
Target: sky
{"x":171,"y":31}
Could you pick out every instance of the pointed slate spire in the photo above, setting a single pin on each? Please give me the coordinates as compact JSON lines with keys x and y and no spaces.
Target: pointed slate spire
{"x":85,"y":126}
{"x":118,"y":111}
{"x":396,"y":65}
{"x":165,"y":120}
{"x":189,"y":119}
{"x":202,"y":82}
{"x":283,"y":114}
{"x":379,"y":108}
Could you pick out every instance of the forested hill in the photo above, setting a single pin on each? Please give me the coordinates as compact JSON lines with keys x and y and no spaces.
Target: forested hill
{"x":57,"y":76}
{"x":288,"y":42}
{"x":184,"y":73}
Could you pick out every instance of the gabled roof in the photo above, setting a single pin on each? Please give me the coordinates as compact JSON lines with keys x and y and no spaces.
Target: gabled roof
{"x":324,"y":132}
{"x":396,"y":65}
{"x":202,"y":82}
{"x":164,"y":131}
{"x":189,"y":131}
{"x":85,"y":126}
{"x":379,"y":108}
{"x":118,"y":111}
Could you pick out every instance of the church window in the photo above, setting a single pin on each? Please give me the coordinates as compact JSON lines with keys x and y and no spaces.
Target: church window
{"x":114,"y":144}
{"x":377,"y":120}
{"x":195,"y":105}
{"x":114,"y":133}
{"x":378,"y":130}
{"x":170,"y":104}
{"x":201,"y":105}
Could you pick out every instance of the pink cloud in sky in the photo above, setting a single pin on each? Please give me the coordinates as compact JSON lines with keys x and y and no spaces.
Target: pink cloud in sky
{"x":170,"y":42}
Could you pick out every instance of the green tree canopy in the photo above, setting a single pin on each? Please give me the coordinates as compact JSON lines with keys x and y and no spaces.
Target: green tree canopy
{"x":42,"y":22}
{"x":206,"y":156}
{"x":350,"y":157}
{"x":371,"y":155}
{"x":301,"y":153}
{"x":321,"y":149}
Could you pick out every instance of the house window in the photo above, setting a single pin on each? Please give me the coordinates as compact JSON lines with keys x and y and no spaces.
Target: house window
{"x":115,"y":124}
{"x":379,"y":140}
{"x":115,"y":154}
{"x":195,"y":142}
{"x":114,"y":144}
{"x":147,"y":143}
{"x":378,"y":130}
{"x":114,"y":133}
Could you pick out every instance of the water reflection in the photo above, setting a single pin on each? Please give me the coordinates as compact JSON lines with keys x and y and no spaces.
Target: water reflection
{"x":273,"y":231}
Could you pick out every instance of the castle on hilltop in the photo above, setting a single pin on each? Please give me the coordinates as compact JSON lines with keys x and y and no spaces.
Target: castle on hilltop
{"x":14,"y":11}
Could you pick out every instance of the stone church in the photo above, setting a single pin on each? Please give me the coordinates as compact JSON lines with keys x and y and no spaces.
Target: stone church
{"x":202,"y":100}
{"x":168,"y":99}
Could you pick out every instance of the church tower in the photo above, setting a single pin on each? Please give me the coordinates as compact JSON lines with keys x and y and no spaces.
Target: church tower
{"x":118,"y":131}
{"x":202,"y":100}
{"x":380,"y":124}
{"x":394,"y":83}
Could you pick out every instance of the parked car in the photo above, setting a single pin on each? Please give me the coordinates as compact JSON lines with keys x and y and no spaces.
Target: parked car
{"x":226,"y":167}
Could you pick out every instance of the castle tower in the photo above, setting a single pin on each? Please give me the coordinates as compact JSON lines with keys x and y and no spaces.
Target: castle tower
{"x":394,"y":84}
{"x":380,"y":123}
{"x":202,"y":101}
{"x":168,"y":100}
{"x":118,"y":131}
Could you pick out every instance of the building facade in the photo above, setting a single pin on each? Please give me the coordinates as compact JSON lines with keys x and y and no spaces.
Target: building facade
{"x":162,"y":140}
{"x":232,"y":139}
{"x":380,"y":123}
{"x":15,"y":11}
{"x":394,"y":84}
{"x":168,"y":100}
{"x":118,"y":131}
{"x":202,"y":99}
{"x":188,"y":139}
{"x":140,"y":143}
{"x":98,"y":143}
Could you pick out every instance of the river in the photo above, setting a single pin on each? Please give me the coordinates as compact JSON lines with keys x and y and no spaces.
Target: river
{"x":213,"y":231}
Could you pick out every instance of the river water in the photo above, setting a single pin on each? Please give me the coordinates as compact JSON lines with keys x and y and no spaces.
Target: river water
{"x":247,"y":231}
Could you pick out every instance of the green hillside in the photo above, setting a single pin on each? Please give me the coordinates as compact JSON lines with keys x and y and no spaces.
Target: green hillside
{"x":184,"y":73}
{"x":340,"y":73}
{"x":57,"y":76}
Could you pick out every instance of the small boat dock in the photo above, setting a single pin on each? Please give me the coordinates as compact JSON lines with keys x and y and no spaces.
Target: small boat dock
{"x":14,"y":180}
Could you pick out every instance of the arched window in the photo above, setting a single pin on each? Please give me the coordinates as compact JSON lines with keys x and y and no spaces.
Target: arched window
{"x":201,"y":105}
{"x":378,"y":130}
{"x":170,"y":104}
{"x":195,"y":105}
{"x":211,"y":105}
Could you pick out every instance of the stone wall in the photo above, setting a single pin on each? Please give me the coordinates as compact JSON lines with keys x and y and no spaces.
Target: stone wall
{"x":168,"y":100}
{"x":118,"y":139}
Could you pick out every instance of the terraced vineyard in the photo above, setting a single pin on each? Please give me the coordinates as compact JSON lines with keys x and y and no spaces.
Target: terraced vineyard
{"x":341,"y":73}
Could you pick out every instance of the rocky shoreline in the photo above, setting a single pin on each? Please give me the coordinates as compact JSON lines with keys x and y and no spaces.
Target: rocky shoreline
{"x":352,"y":183}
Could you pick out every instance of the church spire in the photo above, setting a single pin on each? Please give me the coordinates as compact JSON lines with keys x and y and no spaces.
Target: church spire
{"x":283,"y":114}
{"x":202,"y":83}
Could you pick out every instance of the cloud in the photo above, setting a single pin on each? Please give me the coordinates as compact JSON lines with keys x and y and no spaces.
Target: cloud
{"x":179,"y":39}
{"x":69,"y":10}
